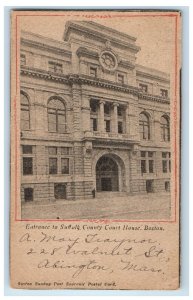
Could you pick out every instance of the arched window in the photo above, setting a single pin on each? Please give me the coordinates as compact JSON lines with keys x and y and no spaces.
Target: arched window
{"x":165,"y":129}
{"x":56,"y":116}
{"x":25,"y":112}
{"x":144,"y":126}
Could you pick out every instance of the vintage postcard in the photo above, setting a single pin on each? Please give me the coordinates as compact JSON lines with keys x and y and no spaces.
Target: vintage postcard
{"x":95,"y":114}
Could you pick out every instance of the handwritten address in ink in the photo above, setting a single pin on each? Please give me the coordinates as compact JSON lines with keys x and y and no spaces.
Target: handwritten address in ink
{"x":91,"y":252}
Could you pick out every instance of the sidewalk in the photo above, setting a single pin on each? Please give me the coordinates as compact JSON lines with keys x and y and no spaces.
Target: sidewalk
{"x":148,"y":206}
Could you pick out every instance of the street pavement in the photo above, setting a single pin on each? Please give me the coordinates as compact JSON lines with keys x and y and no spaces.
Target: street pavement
{"x":139,"y":207}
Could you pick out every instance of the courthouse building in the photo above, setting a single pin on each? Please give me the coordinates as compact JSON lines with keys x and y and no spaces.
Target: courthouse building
{"x":92,"y":120}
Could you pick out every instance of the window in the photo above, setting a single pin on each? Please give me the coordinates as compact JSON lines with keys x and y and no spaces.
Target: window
{"x":143,"y":166}
{"x":27,"y":159}
{"x":107,"y":125}
{"x":65,"y":165}
{"x":59,"y":161}
{"x":120,"y":127}
{"x":94,"y":115}
{"x":56,"y":116}
{"x":94,"y":124}
{"x":55,"y":67}
{"x":28,"y":194}
{"x":107,"y":109}
{"x":165,"y":129}
{"x":93,"y":71}
{"x":150,"y":166}
{"x":66,"y":151}
{"x":119,"y":111}
{"x":164,"y":93}
{"x":149,"y":186}
{"x":93,"y":107}
{"x":167,"y":186}
{"x":60,"y":191}
{"x":120,"y":78}
{"x":143,"y":87}
{"x":53,"y":167}
{"x":147,"y":162}
{"x":22,"y":60}
{"x":27,"y":149}
{"x":27,"y":166}
{"x":144,"y":125}
{"x":166,"y":162}
{"x":52,"y":150}
{"x":25,"y":112}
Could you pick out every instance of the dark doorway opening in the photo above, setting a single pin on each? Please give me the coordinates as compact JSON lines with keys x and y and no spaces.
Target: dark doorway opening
{"x":107,"y":175}
{"x":106,"y":184}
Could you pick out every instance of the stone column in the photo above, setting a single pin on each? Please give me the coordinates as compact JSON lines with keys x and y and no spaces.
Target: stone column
{"x":115,"y":118}
{"x":101,"y":116}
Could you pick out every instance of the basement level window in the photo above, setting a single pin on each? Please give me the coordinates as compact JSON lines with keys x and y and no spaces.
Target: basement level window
{"x":60,"y":191}
{"x":28,"y":194}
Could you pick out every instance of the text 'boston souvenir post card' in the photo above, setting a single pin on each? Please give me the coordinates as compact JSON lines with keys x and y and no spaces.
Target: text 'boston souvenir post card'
{"x":95,"y":149}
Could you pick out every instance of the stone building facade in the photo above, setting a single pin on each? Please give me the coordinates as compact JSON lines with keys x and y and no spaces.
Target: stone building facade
{"x":92,"y":120}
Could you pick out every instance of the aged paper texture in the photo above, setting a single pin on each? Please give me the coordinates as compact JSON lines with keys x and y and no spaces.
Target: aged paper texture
{"x":95,"y":120}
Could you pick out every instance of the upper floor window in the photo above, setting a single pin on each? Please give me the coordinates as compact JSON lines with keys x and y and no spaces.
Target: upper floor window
{"x":94,"y":115}
{"x":121,"y":119}
{"x":107,"y":125}
{"x":147,"y":162}
{"x":27,"y":160}
{"x":56,"y":116}
{"x":120,"y":127}
{"x":55,"y":67}
{"x":143,"y":87}
{"x":59,"y":161}
{"x":120,"y":78}
{"x":166,"y":162}
{"x":93,"y":71}
{"x":22,"y":59}
{"x":25,"y":112}
{"x":164,"y":93}
{"x":165,"y":128}
{"x":119,"y":111}
{"x":107,"y":109}
{"x":144,"y":126}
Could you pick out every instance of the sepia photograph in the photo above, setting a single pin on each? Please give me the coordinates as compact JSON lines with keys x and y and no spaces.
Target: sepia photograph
{"x":95,"y":118}
{"x":95,"y":150}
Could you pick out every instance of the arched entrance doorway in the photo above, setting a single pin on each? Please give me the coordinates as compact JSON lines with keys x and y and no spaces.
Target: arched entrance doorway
{"x":107,"y":174}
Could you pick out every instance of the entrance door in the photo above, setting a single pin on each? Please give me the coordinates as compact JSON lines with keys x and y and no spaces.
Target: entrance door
{"x":106,"y":184}
{"x":107,"y":175}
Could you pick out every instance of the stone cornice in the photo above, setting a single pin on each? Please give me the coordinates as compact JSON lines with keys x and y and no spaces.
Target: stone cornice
{"x":83,"y":79}
{"x":33,"y":72}
{"x":97,"y":82}
{"x":126,"y":64}
{"x":152,"y":76}
{"x":154,"y":98}
{"x":47,"y":47}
